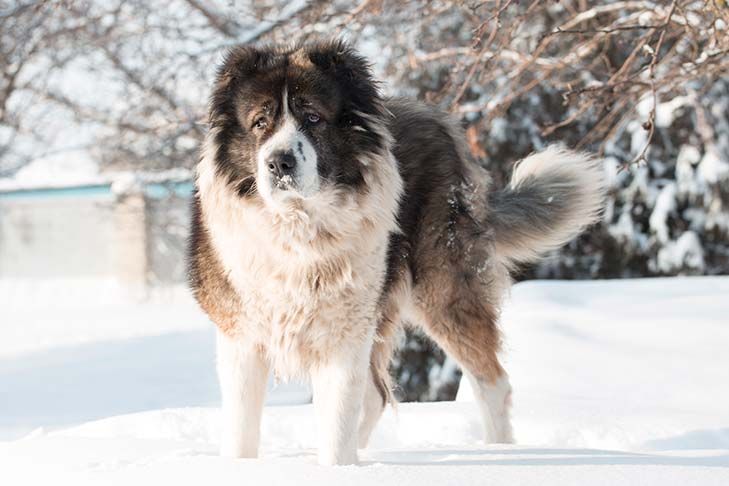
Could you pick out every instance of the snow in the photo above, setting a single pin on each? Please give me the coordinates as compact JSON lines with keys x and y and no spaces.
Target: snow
{"x":69,"y":318}
{"x":684,"y":253}
{"x":664,"y":207}
{"x":665,"y":112}
{"x":712,"y":168}
{"x":159,"y":349}
{"x":615,"y":382}
{"x":686,"y":180}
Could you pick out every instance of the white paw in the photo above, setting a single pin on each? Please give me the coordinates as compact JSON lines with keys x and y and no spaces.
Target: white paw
{"x":238,"y":451}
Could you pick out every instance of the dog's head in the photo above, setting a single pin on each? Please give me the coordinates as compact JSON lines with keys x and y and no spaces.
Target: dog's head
{"x":290,"y":123}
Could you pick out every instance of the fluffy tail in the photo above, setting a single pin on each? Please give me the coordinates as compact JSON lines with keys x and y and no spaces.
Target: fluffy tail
{"x":552,"y":196}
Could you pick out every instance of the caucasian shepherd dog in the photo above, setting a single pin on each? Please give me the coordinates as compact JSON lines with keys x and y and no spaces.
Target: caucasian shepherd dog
{"x":326,"y":217}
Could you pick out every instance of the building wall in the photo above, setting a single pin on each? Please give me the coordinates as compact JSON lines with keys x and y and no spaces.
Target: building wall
{"x":136,"y":238}
{"x":56,"y":237}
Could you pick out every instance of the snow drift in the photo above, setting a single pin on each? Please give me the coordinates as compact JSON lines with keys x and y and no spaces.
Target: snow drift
{"x":618,"y":382}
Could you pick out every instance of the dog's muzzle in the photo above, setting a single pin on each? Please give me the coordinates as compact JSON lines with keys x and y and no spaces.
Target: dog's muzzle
{"x":281,"y":165}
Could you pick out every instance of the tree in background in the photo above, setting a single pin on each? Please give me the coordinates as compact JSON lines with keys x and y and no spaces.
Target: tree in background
{"x":642,"y":83}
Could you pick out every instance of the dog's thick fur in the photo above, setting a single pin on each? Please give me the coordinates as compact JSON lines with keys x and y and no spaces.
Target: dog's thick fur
{"x":326,"y":217}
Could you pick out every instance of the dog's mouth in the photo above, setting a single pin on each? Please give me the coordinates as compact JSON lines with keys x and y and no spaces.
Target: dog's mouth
{"x":285,"y":183}
{"x":278,"y":187}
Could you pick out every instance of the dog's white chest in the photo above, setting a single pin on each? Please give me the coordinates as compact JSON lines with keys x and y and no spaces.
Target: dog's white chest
{"x":303,"y":311}
{"x":302,"y":318}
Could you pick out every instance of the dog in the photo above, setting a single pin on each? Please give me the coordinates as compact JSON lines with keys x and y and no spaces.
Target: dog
{"x":326,"y":217}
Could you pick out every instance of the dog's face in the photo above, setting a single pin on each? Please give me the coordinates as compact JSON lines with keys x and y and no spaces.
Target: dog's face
{"x":291,"y":123}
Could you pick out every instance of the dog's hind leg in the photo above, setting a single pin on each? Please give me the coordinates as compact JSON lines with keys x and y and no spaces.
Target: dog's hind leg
{"x":472,"y":343}
{"x":372,"y":408}
{"x":493,"y":397}
{"x":243,"y":374}
{"x":463,"y":322}
{"x":379,"y":383}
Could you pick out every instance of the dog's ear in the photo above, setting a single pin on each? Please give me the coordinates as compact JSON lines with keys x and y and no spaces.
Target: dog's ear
{"x":239,"y":63}
{"x":351,"y":72}
{"x":336,"y":55}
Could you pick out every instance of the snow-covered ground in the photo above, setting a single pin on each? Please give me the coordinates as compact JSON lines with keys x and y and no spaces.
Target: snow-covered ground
{"x":620,"y":382}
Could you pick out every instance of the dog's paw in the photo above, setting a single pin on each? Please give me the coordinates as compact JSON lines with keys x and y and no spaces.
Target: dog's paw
{"x":338,"y":459}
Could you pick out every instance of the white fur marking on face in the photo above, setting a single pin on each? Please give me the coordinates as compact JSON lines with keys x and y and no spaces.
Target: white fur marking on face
{"x":288,"y":138}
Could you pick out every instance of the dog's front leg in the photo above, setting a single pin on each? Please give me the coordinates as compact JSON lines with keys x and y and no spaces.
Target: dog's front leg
{"x":339,"y":386}
{"x":243,"y":374}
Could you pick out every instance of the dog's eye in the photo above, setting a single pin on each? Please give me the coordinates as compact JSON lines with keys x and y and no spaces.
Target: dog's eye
{"x":260,"y":123}
{"x":313,"y":118}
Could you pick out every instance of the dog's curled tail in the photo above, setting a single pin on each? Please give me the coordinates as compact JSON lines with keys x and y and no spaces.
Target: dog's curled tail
{"x":552,"y":196}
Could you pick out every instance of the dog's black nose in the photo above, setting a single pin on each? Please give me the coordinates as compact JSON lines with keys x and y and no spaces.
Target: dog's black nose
{"x":281,"y":163}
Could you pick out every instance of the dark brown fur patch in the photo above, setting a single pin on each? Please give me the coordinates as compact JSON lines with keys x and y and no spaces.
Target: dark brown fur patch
{"x":208,"y":279}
